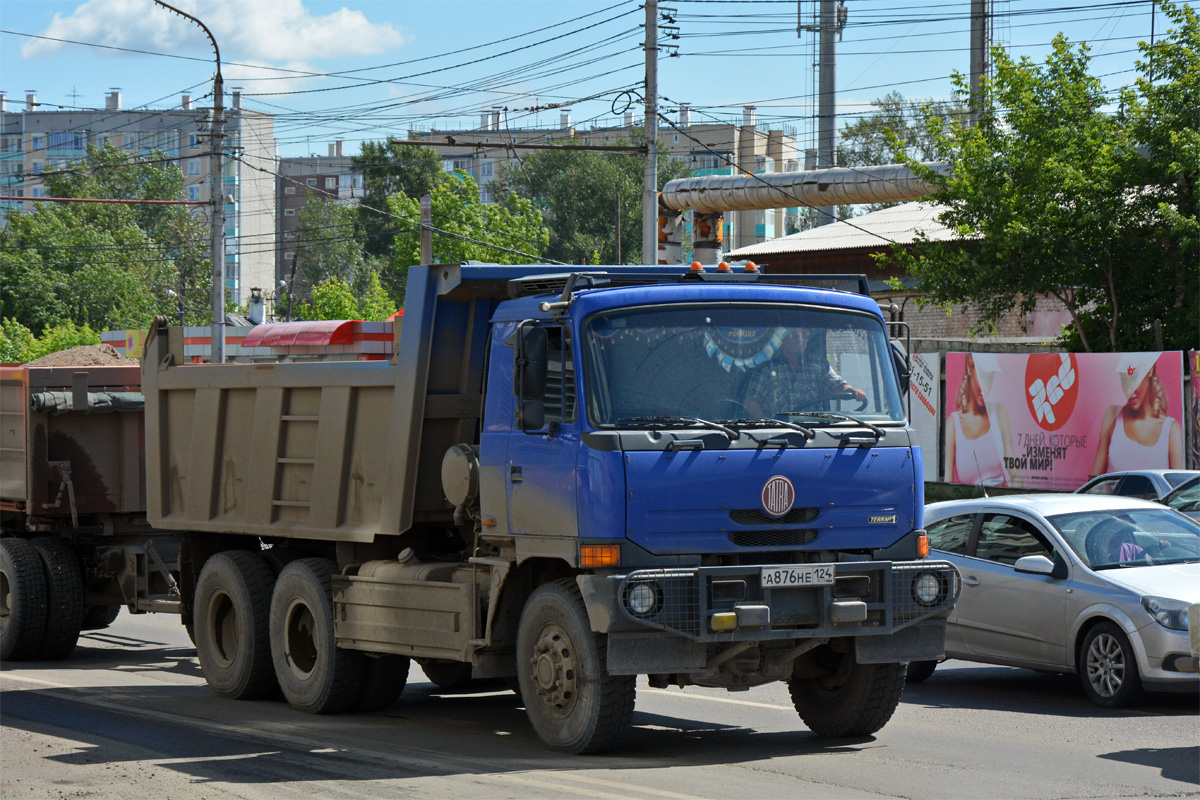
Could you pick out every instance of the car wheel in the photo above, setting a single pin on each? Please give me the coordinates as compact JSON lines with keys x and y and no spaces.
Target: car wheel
{"x":1108,"y":667}
{"x":919,"y":671}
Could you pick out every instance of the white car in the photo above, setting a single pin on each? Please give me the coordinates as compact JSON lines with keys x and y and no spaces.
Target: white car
{"x":1150,"y":484}
{"x":1096,"y":585}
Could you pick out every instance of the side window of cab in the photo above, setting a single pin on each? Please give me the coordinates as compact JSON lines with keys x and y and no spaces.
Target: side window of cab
{"x":951,"y":535}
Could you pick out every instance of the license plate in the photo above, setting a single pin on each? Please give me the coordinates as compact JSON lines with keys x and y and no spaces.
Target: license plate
{"x":798,"y":575}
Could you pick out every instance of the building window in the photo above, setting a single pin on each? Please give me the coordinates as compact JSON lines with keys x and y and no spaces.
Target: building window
{"x":193,"y":166}
{"x":39,"y":143}
{"x":193,"y":141}
{"x":67,"y":140}
{"x":487,"y":169}
{"x":677,"y":138}
{"x":289,"y":212}
{"x":289,"y":190}
{"x":310,"y":182}
{"x":37,"y":168}
{"x":288,"y":256}
{"x":331,"y":183}
{"x":130,"y":141}
{"x":38,"y":191}
{"x":10,"y":144}
{"x":193,"y":193}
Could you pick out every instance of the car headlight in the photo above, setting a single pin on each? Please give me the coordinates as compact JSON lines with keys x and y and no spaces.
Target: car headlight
{"x":1172,"y":614}
{"x":642,"y":598}
{"x":927,"y":588}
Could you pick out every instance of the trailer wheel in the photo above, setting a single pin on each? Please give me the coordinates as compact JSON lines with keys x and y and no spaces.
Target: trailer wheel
{"x":99,"y":617}
{"x":383,"y":682}
{"x":855,"y":700}
{"x":573,"y":704}
{"x":315,"y":674}
{"x":230,"y":623}
{"x":22,"y":600}
{"x":64,"y":597}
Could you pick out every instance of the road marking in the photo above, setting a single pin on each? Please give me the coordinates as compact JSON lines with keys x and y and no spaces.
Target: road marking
{"x":706,"y":698}
{"x":625,"y":787}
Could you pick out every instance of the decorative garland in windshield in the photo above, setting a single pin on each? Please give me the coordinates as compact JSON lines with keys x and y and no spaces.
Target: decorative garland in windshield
{"x":735,"y":347}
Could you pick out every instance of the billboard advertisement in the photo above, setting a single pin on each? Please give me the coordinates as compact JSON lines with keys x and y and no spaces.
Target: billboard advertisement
{"x":926,"y":398}
{"x":1048,"y":421}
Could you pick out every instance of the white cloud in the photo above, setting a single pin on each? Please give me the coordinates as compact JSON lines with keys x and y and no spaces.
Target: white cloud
{"x":259,"y":31}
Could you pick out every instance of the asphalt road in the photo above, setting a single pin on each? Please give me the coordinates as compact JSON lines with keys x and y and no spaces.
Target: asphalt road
{"x":128,"y":716}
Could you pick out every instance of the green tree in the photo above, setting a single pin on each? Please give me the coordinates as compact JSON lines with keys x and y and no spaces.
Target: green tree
{"x":336,"y":299}
{"x":18,"y":344}
{"x":508,"y":231}
{"x":376,"y":304}
{"x":105,"y":265}
{"x":329,"y":245}
{"x":389,"y":168}
{"x":577,"y":192}
{"x":1051,"y":195}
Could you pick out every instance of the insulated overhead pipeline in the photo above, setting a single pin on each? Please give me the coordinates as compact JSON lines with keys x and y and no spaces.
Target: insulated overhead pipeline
{"x":889,"y":183}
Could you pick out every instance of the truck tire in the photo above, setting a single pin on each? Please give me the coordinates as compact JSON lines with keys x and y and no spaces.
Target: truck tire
{"x":857,"y":700}
{"x":22,"y":600}
{"x":383,"y":682}
{"x":231,"y":623}
{"x":99,"y":617}
{"x":572,"y":703}
{"x":315,"y":674}
{"x":446,"y":674}
{"x":64,"y":597}
{"x":919,"y":671}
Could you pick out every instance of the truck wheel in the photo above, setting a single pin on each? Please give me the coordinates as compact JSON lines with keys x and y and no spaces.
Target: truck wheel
{"x":383,"y":681}
{"x":919,"y":671}
{"x":573,"y":704}
{"x":99,"y":617}
{"x":856,"y":700}
{"x":315,"y":674}
{"x":64,"y":597}
{"x":22,"y":600}
{"x":230,"y":623}
{"x":446,"y":674}
{"x":1108,"y":667}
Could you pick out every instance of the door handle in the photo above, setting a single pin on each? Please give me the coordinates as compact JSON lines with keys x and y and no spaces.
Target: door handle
{"x":970,"y":580}
{"x":514,"y":475}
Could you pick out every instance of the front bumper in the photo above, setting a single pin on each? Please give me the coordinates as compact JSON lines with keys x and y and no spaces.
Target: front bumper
{"x":730,"y":604}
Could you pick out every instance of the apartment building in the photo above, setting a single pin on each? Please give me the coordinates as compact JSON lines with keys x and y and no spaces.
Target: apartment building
{"x":34,"y":139}
{"x":711,"y":148}
{"x":316,"y":177}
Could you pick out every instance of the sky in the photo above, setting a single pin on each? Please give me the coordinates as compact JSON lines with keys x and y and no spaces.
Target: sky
{"x":368,"y":69}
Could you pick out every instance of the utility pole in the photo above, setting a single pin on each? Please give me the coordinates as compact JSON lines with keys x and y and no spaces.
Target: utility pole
{"x":426,"y":228}
{"x":827,"y":101}
{"x":980,"y":24}
{"x":650,"y":182}
{"x":217,"y":134}
{"x":618,"y":223}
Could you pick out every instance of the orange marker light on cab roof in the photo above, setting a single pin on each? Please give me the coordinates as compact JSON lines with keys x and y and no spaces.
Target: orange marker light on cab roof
{"x":922,"y":546}
{"x":751,"y":267}
{"x":696,"y":267}
{"x":599,"y":555}
{"x":724,"y":267}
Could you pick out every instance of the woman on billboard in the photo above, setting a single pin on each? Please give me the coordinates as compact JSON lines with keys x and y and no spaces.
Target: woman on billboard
{"x":1139,"y":434}
{"x":978,"y":439}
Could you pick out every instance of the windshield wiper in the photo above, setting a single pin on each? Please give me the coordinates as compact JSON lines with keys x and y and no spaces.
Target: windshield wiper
{"x":878,"y":431}
{"x":808,"y":433}
{"x":671,"y":420}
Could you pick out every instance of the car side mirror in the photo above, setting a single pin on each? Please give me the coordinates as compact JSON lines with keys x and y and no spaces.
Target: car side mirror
{"x":1035,"y":565}
{"x":530,"y":364}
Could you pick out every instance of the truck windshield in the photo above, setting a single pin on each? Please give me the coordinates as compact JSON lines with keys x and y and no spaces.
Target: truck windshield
{"x":734,"y":363}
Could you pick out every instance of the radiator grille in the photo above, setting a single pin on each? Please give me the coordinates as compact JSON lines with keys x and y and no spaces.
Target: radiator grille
{"x":773,"y":537}
{"x":752,"y":516}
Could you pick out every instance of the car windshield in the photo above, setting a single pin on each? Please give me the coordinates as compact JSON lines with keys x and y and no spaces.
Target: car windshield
{"x":1177,"y":479}
{"x":738,"y":365}
{"x":1129,"y":537}
{"x":1186,"y":498}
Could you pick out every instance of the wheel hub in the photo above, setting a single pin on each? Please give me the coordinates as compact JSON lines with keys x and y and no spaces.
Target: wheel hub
{"x":555,"y":674}
{"x":1105,"y":665}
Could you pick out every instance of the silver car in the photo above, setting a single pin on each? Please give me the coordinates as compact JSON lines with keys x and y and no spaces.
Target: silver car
{"x":1185,"y":499}
{"x":1150,"y":484}
{"x":1096,"y":585}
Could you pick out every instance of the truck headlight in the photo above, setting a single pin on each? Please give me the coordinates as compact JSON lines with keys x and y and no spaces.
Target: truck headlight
{"x":927,"y":588}
{"x":642,"y":598}
{"x":1171,"y":614}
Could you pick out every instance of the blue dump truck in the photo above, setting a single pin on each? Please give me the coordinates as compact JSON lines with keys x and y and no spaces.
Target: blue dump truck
{"x":565,"y":481}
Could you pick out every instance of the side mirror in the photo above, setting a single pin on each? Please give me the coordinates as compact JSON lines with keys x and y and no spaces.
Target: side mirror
{"x":1035,"y":565}
{"x":529,"y":377}
{"x":900,"y":359}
